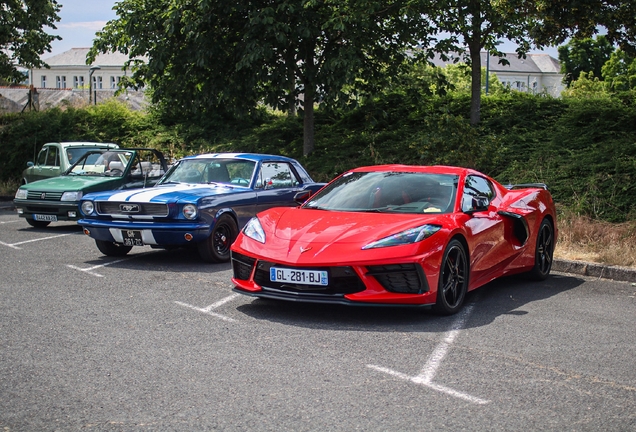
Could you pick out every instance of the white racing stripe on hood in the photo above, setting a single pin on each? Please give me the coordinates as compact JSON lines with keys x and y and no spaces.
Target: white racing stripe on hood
{"x":146,"y":195}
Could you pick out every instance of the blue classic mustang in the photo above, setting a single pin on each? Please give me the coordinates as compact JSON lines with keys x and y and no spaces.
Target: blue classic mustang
{"x":202,"y":200}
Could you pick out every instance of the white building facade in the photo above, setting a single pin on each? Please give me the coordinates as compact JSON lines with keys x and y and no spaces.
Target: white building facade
{"x":537,"y":73}
{"x":69,"y":70}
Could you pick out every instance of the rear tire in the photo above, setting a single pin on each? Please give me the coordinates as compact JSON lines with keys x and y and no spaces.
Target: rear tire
{"x":543,"y":253}
{"x":216,"y":248}
{"x":453,"y":279}
{"x":38,"y":224}
{"x":112,"y":248}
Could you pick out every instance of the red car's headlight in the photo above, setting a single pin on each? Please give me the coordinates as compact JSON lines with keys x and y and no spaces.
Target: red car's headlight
{"x":409,"y":236}
{"x":254,"y":230}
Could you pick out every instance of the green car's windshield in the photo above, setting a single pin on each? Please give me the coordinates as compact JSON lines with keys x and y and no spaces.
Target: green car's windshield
{"x":395,"y":192}
{"x":102,"y":163}
{"x":205,"y":171}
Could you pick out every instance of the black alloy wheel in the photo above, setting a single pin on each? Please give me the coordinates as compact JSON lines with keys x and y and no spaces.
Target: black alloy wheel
{"x":216,"y":248}
{"x":453,"y":279}
{"x":544,"y":251}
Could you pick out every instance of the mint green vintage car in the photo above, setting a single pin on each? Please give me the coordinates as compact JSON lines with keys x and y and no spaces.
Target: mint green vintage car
{"x":55,"y":158}
{"x":56,"y":199}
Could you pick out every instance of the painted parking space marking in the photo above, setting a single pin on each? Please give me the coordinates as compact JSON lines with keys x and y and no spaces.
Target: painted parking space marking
{"x":15,"y":245}
{"x":427,"y":373}
{"x":11,"y":221}
{"x":89,"y":270}
{"x":208,"y":310}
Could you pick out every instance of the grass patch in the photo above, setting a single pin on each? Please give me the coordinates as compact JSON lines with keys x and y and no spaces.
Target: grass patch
{"x":582,"y":238}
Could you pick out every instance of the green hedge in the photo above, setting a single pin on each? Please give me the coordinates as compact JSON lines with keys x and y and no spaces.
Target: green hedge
{"x":584,"y":149}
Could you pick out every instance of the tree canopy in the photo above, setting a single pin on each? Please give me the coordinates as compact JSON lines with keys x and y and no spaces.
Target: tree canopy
{"x":22,"y":36}
{"x":219,"y":55}
{"x":584,"y":55}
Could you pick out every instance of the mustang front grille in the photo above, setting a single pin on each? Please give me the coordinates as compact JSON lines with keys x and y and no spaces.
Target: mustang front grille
{"x":400,"y":278}
{"x":342,"y":280}
{"x":143,"y":209}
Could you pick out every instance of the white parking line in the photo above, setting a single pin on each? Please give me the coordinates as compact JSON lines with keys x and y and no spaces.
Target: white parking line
{"x":14,"y":245}
{"x":12,"y":221}
{"x":426,"y":375}
{"x":89,"y":269}
{"x":208,"y":309}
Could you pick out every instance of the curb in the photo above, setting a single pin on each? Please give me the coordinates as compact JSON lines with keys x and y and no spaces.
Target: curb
{"x":616,"y":273}
{"x":624,"y":274}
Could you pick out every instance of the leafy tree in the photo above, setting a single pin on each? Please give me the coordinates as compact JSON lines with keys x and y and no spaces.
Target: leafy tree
{"x":22,"y":36}
{"x":470,"y":26}
{"x":558,"y":20}
{"x":204,"y":56}
{"x":584,"y":55}
{"x":619,"y":72}
{"x":586,"y":86}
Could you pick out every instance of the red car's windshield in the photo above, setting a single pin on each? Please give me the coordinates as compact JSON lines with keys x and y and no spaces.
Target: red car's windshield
{"x":400,"y":192}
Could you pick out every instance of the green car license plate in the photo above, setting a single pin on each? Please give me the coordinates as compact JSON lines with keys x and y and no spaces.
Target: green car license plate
{"x":132,"y":238}
{"x":45,"y":218}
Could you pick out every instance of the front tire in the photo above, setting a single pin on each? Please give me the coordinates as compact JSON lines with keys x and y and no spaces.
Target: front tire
{"x":453,"y":279}
{"x":112,"y":249}
{"x":544,"y":251}
{"x":38,"y":224}
{"x":216,"y":248}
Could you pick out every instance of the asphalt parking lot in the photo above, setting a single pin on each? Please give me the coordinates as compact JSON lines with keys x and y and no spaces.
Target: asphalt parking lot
{"x":158,"y":341}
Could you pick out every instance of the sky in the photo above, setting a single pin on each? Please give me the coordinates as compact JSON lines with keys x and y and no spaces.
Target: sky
{"x":80,"y":19}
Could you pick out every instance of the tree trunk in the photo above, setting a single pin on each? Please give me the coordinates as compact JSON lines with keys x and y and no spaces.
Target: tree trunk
{"x":290,"y":59}
{"x":475,"y":84}
{"x":308,"y":120}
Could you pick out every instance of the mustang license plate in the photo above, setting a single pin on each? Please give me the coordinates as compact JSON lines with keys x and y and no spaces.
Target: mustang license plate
{"x":132,"y":238}
{"x":305,"y":277}
{"x":45,"y":218}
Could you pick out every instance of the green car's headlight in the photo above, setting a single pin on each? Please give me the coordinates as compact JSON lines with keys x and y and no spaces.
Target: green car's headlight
{"x":21,"y":194}
{"x":71,"y":196}
{"x":409,"y":236}
{"x":254,"y":230}
{"x":88,"y":207}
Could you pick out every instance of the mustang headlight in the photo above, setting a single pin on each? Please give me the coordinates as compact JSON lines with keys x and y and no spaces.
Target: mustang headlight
{"x":21,"y":194}
{"x":190,"y":211}
{"x":254,"y":230}
{"x":88,"y":207}
{"x":71,"y":196}
{"x":409,"y":236}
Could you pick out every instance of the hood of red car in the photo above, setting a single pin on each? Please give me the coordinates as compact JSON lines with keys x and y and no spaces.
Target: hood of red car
{"x":319,"y":237}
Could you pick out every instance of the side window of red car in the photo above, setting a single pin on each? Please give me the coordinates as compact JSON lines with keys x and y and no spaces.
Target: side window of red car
{"x":474,"y":187}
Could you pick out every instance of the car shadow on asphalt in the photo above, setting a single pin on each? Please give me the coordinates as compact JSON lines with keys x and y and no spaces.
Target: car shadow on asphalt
{"x":505,"y":296}
{"x":178,"y":260}
{"x":52,"y":229}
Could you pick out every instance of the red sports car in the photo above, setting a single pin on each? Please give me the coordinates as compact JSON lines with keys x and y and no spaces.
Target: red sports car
{"x":397,"y":235}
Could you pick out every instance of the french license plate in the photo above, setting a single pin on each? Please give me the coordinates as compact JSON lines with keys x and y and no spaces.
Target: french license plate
{"x":305,"y":277}
{"x":132,"y":238}
{"x":45,"y":218}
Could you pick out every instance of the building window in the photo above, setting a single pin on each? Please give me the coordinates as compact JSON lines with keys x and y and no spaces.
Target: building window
{"x":58,"y":82}
{"x":63,"y":81}
{"x":99,"y":83}
{"x":43,"y":81}
{"x":75,"y":82}
{"x":112,"y":82}
{"x":81,"y":81}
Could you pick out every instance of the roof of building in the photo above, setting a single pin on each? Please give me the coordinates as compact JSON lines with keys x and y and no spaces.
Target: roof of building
{"x":77,"y":57}
{"x":533,"y":63}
